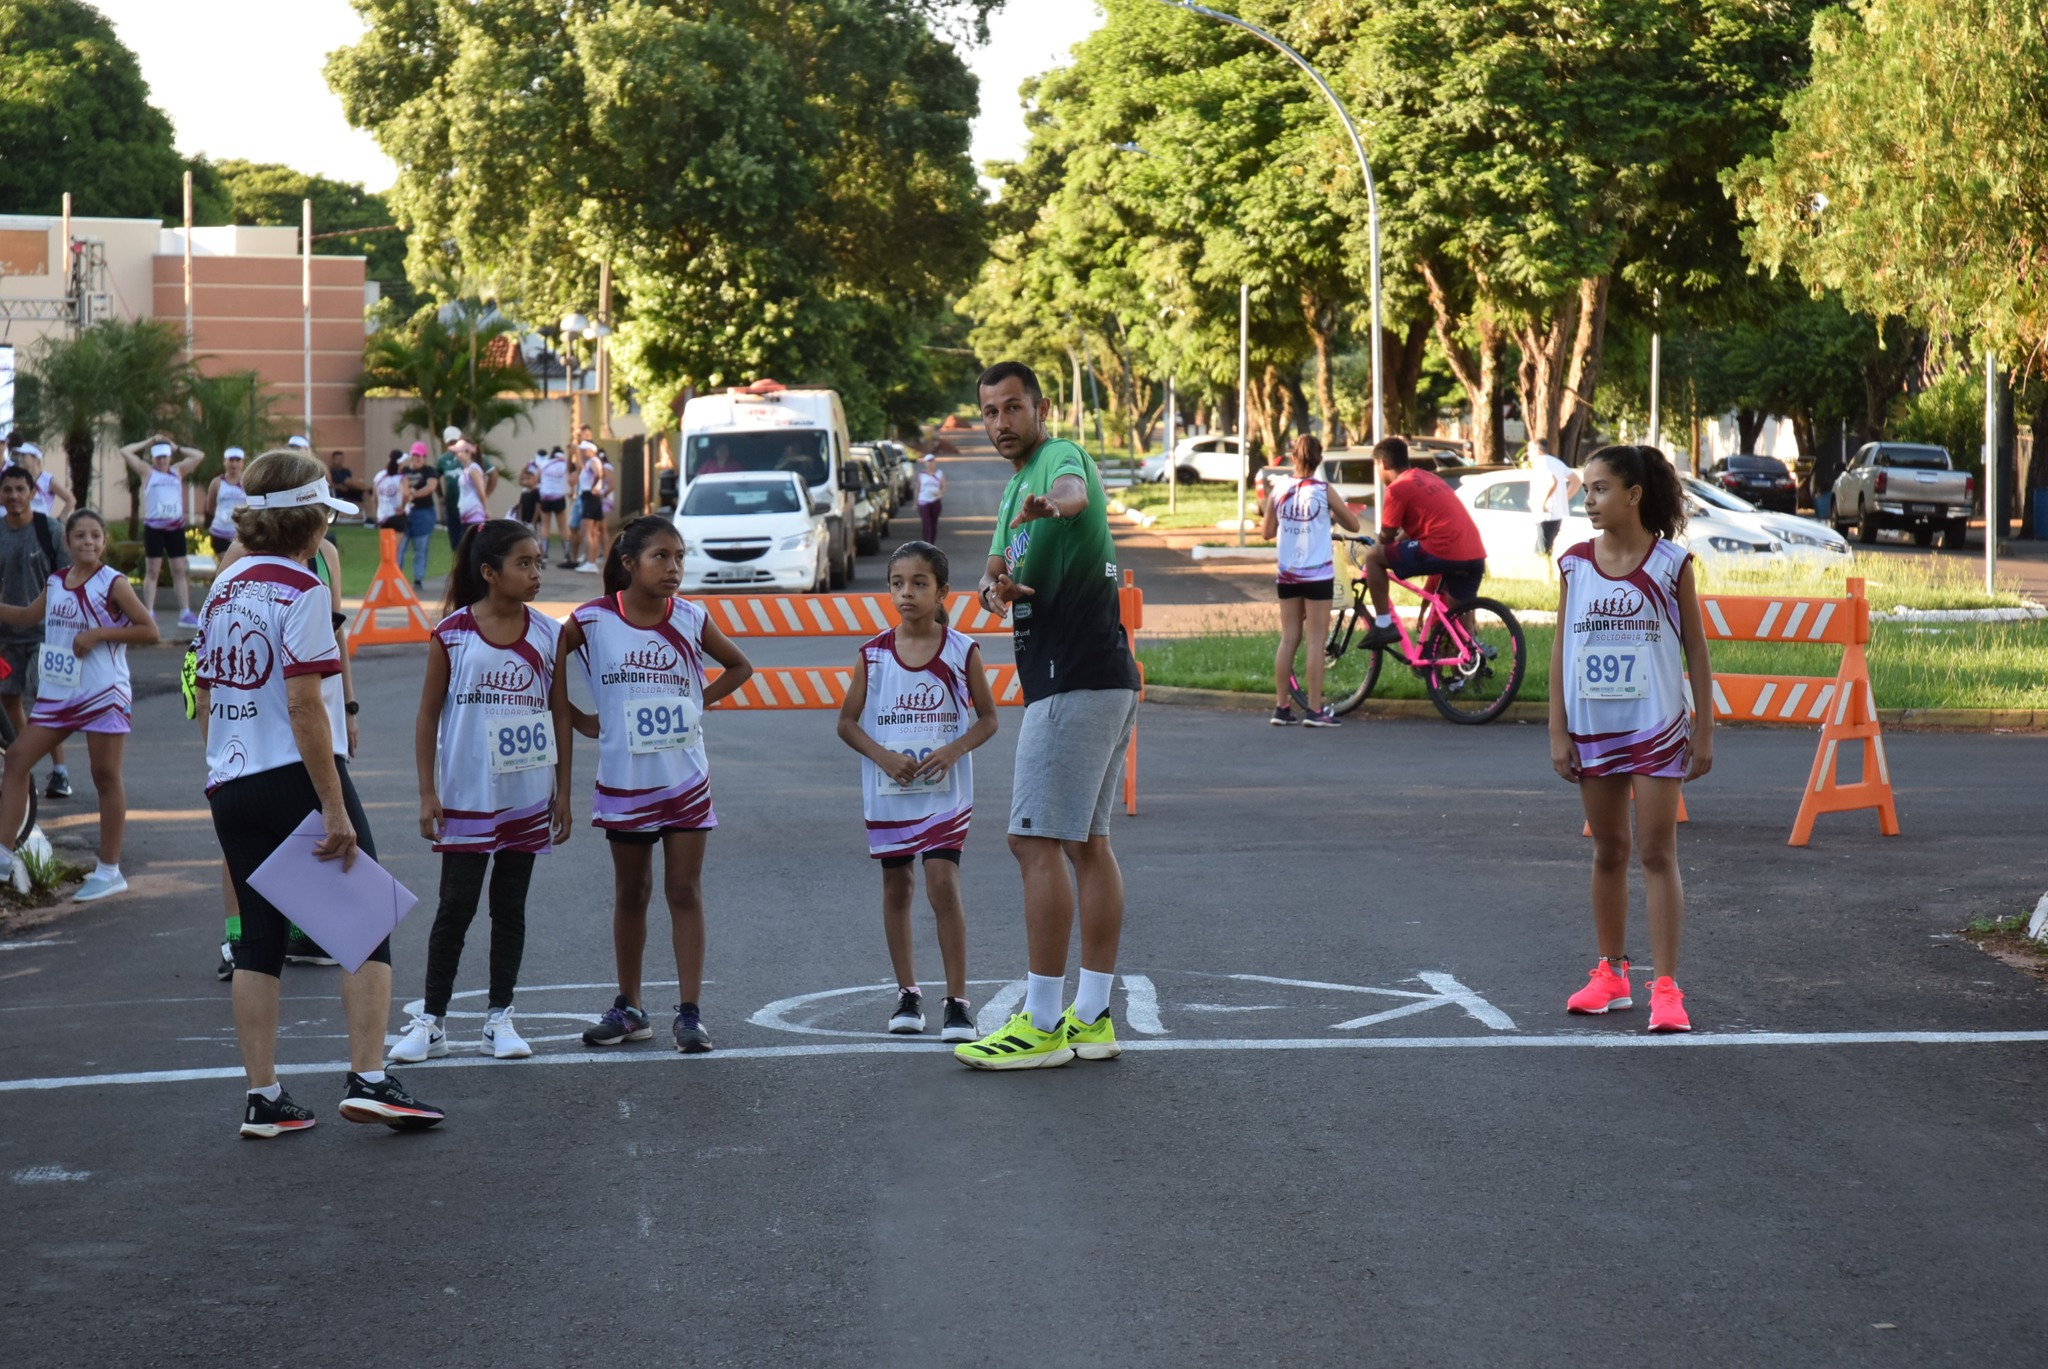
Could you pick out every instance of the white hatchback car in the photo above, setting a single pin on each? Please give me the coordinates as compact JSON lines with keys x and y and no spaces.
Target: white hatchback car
{"x":1499,"y":502}
{"x":752,"y":530}
{"x":1805,"y":539}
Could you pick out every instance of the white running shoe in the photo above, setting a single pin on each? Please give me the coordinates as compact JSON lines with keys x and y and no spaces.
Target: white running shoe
{"x":501,"y":1039}
{"x":423,"y":1040}
{"x":98,"y":885}
{"x":17,"y":877}
{"x":589,"y":568}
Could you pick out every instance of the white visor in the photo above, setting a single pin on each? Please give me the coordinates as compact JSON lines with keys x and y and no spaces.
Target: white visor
{"x":30,"y":449}
{"x":233,"y":454}
{"x":299,"y":443}
{"x":157,"y":449}
{"x":301,"y":497}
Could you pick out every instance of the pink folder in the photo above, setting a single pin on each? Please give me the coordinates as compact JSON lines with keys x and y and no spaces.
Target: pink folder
{"x":348,"y":913}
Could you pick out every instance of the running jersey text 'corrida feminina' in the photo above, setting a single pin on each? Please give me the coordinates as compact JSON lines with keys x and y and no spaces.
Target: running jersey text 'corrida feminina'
{"x":1626,"y":703}
{"x":495,"y":768}
{"x":917,"y":711}
{"x":648,"y":684}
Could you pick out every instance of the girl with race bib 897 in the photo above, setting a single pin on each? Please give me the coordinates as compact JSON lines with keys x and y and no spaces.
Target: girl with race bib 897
{"x":90,"y":614}
{"x":906,"y":714}
{"x":1622,"y":721}
{"x":484,"y":742}
{"x":641,"y":650}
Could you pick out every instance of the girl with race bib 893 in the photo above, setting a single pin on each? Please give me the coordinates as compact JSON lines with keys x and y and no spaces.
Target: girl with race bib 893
{"x":1623,"y":724}
{"x":906,"y":714}
{"x":641,"y":651}
{"x":484,"y":742}
{"x":90,"y":614}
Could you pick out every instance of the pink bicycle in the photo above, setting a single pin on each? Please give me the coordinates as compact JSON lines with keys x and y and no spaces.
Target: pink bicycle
{"x":1471,"y":658}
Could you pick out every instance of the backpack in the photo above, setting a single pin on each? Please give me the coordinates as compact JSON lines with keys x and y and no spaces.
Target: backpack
{"x":49,"y":542}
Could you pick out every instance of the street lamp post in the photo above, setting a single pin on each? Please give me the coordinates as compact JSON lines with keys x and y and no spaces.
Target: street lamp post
{"x":594,"y":329}
{"x":1372,"y":206}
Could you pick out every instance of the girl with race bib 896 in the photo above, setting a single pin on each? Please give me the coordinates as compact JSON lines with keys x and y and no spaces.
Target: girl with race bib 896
{"x":1622,"y":722}
{"x":484,"y":742}
{"x":906,"y":714}
{"x":641,"y":650}
{"x":90,"y":613}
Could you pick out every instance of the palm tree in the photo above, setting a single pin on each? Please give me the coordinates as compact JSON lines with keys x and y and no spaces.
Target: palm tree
{"x":233,"y":409}
{"x":442,"y":358}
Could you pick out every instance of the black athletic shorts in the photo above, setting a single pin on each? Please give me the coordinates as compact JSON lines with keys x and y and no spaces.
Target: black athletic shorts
{"x":1546,"y":534}
{"x":592,"y":506}
{"x":252,"y":816}
{"x":1323,"y":591}
{"x":529,"y":504}
{"x":947,"y":853}
{"x":220,"y":544}
{"x":652,"y":838}
{"x":168,"y":542}
{"x":555,"y":505}
{"x":1461,"y":579}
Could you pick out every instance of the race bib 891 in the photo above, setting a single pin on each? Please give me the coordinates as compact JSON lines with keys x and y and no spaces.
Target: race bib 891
{"x":654,"y":725}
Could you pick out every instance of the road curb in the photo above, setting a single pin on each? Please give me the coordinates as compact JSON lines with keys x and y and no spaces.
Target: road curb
{"x":1893,"y":719}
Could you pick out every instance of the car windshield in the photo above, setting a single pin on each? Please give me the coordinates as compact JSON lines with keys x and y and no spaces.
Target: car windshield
{"x":717,"y":498}
{"x":1762,"y":465}
{"x":801,"y":450}
{"x":1720,"y":499}
{"x":1348,"y":471}
{"x":1913,"y":458}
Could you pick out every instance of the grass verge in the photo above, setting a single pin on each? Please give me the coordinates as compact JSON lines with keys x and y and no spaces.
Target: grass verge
{"x":1199,"y":506}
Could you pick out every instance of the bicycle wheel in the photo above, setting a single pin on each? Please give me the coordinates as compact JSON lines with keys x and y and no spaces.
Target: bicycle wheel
{"x":1349,"y":672}
{"x":1490,"y":658}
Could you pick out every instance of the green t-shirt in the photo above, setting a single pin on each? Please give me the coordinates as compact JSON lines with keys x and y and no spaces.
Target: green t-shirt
{"x":1068,"y":634}
{"x":450,"y":467}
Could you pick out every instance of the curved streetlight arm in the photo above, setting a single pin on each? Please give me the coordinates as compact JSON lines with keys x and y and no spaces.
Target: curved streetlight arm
{"x":1372,"y":198}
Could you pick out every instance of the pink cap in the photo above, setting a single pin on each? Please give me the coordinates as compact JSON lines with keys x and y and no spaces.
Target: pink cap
{"x":419,"y":449}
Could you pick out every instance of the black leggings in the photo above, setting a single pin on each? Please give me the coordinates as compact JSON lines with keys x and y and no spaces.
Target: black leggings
{"x":251,"y":818}
{"x":462,"y":884}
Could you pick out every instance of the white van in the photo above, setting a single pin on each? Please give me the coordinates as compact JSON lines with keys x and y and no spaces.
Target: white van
{"x":769,"y":427}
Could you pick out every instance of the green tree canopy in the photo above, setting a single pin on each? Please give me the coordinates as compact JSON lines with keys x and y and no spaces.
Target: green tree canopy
{"x":267,"y":193}
{"x":75,"y":115}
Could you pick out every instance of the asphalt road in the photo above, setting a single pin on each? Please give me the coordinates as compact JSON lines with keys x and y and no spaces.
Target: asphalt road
{"x":1355,"y":1126}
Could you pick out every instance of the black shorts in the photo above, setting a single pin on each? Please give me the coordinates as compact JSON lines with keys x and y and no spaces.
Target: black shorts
{"x":554,"y":505}
{"x":592,"y":507}
{"x":252,"y":816}
{"x":220,"y":544}
{"x":165,"y":542}
{"x":1460,"y":578}
{"x":652,"y":838}
{"x":1546,"y":534}
{"x":529,"y":504}
{"x":1323,"y":591}
{"x":948,"y":853}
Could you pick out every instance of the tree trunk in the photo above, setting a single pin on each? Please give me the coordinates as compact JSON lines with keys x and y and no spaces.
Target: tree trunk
{"x":78,"y":453}
{"x":1321,"y":320}
{"x":1749,"y":426}
{"x":1294,"y":412}
{"x":1582,"y":377}
{"x":1477,"y":372}
{"x":1540,"y":379}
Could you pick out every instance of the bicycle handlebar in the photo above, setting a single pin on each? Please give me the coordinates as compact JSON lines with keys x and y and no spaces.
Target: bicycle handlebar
{"x":1362,"y":539}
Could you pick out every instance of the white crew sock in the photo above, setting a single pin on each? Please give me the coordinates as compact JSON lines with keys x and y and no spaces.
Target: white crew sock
{"x":1383,"y":620}
{"x":105,"y":870}
{"x":371,"y":1076}
{"x":271,"y":1093}
{"x":1042,"y":994}
{"x":1091,"y":997}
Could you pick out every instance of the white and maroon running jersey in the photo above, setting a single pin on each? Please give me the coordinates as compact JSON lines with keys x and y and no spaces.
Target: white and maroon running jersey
{"x":226,"y":500}
{"x":917,"y":711}
{"x":1304,"y":509}
{"x":648,"y":684}
{"x":266,"y":620}
{"x":494,"y":769}
{"x":163,"y":500}
{"x":554,"y":478}
{"x":1626,"y":703}
{"x":88,"y":693}
{"x":42,"y":501}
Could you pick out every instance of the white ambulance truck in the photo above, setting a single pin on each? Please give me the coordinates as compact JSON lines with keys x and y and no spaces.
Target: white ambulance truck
{"x":769,"y":427}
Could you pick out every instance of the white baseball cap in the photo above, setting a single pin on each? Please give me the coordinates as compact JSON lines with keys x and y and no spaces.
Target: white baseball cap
{"x":302,"y":496}
{"x":451,"y":433}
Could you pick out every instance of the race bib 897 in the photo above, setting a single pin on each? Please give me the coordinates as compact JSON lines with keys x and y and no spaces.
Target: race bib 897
{"x":1615,"y":673}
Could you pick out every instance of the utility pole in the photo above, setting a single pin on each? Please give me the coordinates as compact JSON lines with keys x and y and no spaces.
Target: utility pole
{"x":1994,"y":513}
{"x":604,"y":352}
{"x":1244,"y":382}
{"x":306,"y":306}
{"x":1172,"y":463}
{"x":189,"y":347}
{"x":1656,"y":370}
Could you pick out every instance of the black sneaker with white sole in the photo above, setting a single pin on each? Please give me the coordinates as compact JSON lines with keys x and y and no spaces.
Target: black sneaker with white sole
{"x":691,"y":1038}
{"x":386,"y":1101}
{"x":263,"y":1119}
{"x":300,"y":949}
{"x":959,"y":1024}
{"x":59,"y":786}
{"x":621,"y":1022}
{"x":226,"y":969}
{"x":1379,"y":638}
{"x":908,"y":1019}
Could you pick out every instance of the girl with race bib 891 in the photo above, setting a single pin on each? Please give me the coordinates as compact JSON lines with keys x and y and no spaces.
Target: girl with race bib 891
{"x":641,"y":650}
{"x":906,"y":714}
{"x":1298,"y":515}
{"x":1623,"y":722}
{"x":484,"y":742}
{"x":90,"y":613}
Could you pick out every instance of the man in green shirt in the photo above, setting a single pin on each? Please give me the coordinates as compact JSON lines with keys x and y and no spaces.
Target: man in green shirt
{"x":1053,"y":563}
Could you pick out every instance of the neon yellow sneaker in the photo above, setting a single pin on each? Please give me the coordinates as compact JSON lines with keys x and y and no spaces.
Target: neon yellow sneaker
{"x":1092,"y":1040}
{"x":1017,"y":1045}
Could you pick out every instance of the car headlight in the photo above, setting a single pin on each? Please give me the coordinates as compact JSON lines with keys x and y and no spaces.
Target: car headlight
{"x":1736,"y":545}
{"x":796,"y":542}
{"x":1801,"y":539}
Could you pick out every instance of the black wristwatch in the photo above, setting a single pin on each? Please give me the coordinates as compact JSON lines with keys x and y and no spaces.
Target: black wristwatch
{"x":351,"y":708}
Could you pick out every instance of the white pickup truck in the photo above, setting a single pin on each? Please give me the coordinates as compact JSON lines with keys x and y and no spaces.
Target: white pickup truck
{"x":1910,"y":486}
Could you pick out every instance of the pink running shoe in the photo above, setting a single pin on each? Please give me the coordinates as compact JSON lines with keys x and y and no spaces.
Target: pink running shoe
{"x":1667,"y":1007}
{"x":1606,"y":988}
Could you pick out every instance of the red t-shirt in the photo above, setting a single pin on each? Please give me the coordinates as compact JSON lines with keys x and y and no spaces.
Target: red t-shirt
{"x":1424,"y":508}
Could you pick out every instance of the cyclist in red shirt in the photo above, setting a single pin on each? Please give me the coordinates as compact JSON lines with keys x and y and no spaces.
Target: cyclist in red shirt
{"x":1425,"y":529}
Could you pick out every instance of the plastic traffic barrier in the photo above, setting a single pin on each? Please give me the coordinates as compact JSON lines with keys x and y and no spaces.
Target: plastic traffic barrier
{"x":865,"y":615}
{"x":390,"y":593}
{"x":1843,"y":706}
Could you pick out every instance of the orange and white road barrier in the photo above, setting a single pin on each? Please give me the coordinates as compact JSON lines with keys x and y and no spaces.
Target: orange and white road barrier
{"x":390,"y":594}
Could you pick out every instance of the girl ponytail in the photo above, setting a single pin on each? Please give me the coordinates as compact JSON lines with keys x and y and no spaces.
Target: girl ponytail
{"x":618,"y":573}
{"x":483,"y":544}
{"x":1662,"y":507}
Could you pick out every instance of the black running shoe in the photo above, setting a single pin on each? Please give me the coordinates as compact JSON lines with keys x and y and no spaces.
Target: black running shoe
{"x":691,"y":1038}
{"x":226,"y":969}
{"x":1379,"y":638}
{"x":908,"y":1019}
{"x":300,"y":949}
{"x":959,"y":1021}
{"x":263,"y":1119}
{"x":622,"y":1022}
{"x":386,"y":1101}
{"x":59,"y":786}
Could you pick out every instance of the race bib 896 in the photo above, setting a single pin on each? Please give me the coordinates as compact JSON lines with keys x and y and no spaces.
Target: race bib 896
{"x":524,"y":741}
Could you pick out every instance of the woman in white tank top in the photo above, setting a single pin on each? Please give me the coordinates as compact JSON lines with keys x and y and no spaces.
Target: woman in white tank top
{"x":163,"y":473}
{"x":224,"y":496}
{"x":1298,"y":512}
{"x":1631,"y":711}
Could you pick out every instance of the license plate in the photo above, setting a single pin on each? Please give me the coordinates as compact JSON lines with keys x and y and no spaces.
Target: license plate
{"x":1925,"y":508}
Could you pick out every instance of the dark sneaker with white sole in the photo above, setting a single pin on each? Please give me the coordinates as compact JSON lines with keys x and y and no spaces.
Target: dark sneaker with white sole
{"x":1323,"y":717}
{"x":959,"y":1021}
{"x":386,"y":1101}
{"x":908,"y":1019}
{"x":263,"y":1119}
{"x":691,"y":1038}
{"x":300,"y":949}
{"x":226,"y":969}
{"x":59,"y":786}
{"x":621,"y":1022}
{"x":1379,"y":638}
